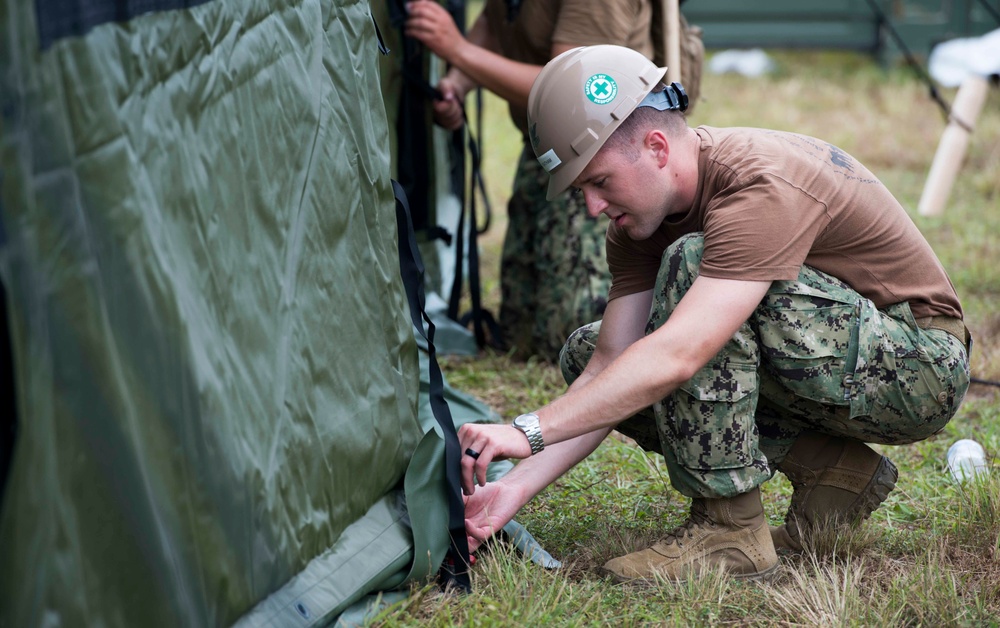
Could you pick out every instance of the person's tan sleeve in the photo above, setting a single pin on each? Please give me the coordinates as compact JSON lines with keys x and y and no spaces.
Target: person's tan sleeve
{"x":589,"y":22}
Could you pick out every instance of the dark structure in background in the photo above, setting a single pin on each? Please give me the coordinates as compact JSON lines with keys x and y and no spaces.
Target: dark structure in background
{"x":864,"y":25}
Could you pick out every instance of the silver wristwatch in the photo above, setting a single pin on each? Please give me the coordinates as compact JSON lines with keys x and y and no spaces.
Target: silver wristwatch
{"x":528,"y":423}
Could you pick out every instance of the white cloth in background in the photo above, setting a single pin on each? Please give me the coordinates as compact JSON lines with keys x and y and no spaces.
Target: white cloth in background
{"x":950,"y":62}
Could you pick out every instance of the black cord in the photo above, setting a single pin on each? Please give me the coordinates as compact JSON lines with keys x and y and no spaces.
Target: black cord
{"x":984,"y":382}
{"x":989,"y":9}
{"x":912,"y":61}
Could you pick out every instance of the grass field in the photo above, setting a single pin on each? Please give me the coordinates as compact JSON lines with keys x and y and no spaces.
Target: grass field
{"x":929,"y":557}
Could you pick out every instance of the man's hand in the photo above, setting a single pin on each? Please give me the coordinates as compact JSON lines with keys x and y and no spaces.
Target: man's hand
{"x":493,"y":442}
{"x":477,"y":55}
{"x":489,"y":510}
{"x":448,"y":112}
{"x":430,"y":23}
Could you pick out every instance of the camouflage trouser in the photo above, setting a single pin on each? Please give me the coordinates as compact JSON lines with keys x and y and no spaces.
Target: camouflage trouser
{"x":553,"y":274}
{"x":814,"y":355}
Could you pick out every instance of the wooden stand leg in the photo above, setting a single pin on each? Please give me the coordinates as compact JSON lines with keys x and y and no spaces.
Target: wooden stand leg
{"x":954,"y":142}
{"x":672,"y":29}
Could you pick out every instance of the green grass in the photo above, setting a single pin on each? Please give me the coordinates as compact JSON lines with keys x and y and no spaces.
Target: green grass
{"x":929,"y":557}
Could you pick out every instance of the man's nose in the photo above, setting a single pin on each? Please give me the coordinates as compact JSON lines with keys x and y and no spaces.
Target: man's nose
{"x":595,"y":204}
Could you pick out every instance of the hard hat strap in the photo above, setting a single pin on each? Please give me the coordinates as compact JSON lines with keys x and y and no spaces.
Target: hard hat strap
{"x":669,"y":98}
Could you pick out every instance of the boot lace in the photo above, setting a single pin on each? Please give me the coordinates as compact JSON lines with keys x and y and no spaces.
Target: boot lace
{"x":697,"y":519}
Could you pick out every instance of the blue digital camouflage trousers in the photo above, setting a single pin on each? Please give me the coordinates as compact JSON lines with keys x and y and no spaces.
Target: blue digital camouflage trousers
{"x":553,"y":273}
{"x":814,"y":355}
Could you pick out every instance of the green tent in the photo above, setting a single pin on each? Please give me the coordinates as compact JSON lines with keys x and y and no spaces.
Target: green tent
{"x":222,"y":411}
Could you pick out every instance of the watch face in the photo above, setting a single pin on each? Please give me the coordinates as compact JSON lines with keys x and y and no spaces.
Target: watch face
{"x":526,"y":420}
{"x":529,"y":424}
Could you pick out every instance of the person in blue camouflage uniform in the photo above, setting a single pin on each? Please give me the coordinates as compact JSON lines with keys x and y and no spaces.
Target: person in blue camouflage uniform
{"x":773,"y":308}
{"x":758,"y":392}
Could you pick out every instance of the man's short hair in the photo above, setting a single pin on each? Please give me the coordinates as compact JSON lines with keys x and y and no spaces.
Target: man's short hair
{"x":633,"y":128}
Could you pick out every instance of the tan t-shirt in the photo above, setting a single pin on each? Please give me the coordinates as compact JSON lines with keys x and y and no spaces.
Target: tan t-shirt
{"x":541,"y":23}
{"x":770,"y":201}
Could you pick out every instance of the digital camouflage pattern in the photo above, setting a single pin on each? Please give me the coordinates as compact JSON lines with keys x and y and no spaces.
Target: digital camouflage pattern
{"x":553,"y":273}
{"x":814,"y":355}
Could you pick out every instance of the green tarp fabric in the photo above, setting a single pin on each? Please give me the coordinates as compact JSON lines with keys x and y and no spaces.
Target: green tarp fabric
{"x":218,"y":385}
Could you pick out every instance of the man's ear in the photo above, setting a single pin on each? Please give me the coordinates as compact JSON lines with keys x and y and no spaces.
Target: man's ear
{"x":657,"y":142}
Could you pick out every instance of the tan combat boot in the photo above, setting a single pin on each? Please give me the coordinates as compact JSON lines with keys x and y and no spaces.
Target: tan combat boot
{"x":729,"y":534}
{"x":836,"y":481}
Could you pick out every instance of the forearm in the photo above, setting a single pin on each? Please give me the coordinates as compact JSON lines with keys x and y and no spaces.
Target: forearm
{"x":479,"y":35}
{"x":533,"y":474}
{"x":617,"y":391}
{"x":480,"y":62}
{"x":654,"y":366}
{"x":511,"y":80}
{"x":625,"y":374}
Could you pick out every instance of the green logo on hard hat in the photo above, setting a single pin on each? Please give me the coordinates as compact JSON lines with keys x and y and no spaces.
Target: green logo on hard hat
{"x":601,"y":89}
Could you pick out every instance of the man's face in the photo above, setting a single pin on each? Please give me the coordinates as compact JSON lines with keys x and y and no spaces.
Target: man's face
{"x":627,"y":187}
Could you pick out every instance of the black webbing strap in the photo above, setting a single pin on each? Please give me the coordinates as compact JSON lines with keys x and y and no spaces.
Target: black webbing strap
{"x":382,"y":48}
{"x":8,"y":402}
{"x":480,"y":318}
{"x":413,"y":137}
{"x":455,"y":570}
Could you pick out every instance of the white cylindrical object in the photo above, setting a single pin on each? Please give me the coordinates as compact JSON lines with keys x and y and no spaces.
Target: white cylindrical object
{"x":966,"y":459}
{"x":954,"y":142}
{"x":672,"y":30}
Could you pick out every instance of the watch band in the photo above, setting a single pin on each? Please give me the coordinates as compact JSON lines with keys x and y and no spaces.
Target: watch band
{"x":529,"y":425}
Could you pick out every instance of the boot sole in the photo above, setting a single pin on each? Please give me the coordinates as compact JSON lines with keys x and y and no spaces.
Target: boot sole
{"x":760,"y":576}
{"x":767,"y":575}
